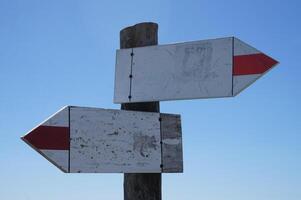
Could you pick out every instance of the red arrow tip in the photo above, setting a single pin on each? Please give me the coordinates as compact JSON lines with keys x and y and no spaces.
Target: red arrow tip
{"x":48,"y":137}
{"x":252,"y":64}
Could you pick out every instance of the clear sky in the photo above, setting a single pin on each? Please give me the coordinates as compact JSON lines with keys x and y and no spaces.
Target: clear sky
{"x":62,"y":52}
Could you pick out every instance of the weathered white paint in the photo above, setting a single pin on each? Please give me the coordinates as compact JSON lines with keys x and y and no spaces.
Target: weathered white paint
{"x":110,"y":141}
{"x":191,"y":70}
{"x":60,"y":158}
{"x":114,"y":141}
{"x":60,"y":118}
{"x":241,"y":48}
{"x":188,"y":70}
{"x":243,"y":81}
{"x":172,"y":141}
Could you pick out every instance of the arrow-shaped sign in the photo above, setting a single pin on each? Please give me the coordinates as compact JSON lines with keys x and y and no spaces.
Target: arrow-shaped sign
{"x":94,"y":140}
{"x":201,"y":69}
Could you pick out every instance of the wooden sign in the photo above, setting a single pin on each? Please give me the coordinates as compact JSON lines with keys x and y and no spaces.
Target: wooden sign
{"x":95,"y":140}
{"x":191,"y":70}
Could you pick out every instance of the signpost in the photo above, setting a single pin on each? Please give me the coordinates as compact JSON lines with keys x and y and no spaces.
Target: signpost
{"x":191,"y":70}
{"x":95,"y":140}
{"x":138,"y":140}
{"x":136,"y":185}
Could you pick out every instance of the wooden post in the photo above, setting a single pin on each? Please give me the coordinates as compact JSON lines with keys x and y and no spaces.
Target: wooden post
{"x":146,"y":186}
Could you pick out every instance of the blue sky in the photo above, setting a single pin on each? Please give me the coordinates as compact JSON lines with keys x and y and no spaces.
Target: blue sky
{"x":56,"y":53}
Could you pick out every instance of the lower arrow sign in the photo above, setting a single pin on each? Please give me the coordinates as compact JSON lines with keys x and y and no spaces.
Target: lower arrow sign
{"x":94,"y":140}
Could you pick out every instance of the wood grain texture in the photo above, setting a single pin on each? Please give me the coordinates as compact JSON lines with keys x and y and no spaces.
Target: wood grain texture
{"x":172,"y":152}
{"x":141,"y":186}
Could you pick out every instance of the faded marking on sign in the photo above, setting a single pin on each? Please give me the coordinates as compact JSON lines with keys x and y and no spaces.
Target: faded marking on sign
{"x":190,"y":70}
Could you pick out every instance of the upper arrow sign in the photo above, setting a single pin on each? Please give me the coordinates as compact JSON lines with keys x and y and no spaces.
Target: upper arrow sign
{"x":95,"y":140}
{"x":201,"y":69}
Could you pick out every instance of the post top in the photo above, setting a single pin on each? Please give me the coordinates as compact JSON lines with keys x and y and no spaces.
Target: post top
{"x":139,"y":35}
{"x":140,"y":25}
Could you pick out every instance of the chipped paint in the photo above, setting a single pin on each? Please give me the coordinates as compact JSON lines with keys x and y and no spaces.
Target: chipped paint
{"x":114,"y":141}
{"x":172,"y":141}
{"x":95,"y":140}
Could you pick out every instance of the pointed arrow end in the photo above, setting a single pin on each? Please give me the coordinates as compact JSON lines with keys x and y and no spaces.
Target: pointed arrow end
{"x":52,"y":143}
{"x":267,"y":62}
{"x":28,"y":142}
{"x":258,"y":63}
{"x":248,"y":68}
{"x":48,"y":137}
{"x":52,"y":139}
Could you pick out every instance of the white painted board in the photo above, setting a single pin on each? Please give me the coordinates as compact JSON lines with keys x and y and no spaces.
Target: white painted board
{"x":114,"y":141}
{"x":190,"y":70}
{"x":96,"y":140}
